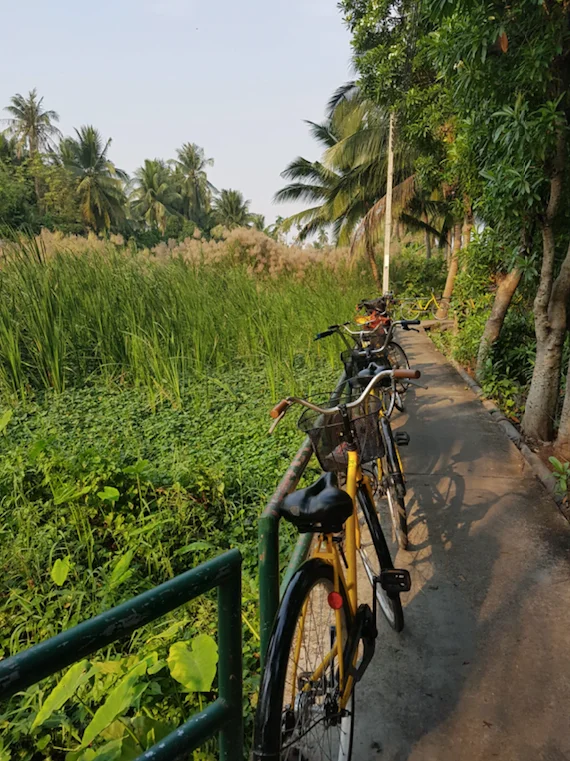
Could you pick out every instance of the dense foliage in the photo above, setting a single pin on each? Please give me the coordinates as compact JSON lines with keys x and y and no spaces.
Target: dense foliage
{"x":71,"y":184}
{"x":480,"y":94}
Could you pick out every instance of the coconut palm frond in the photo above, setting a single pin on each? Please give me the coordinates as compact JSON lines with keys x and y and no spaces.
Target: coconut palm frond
{"x":371,"y":222}
{"x":346,"y":91}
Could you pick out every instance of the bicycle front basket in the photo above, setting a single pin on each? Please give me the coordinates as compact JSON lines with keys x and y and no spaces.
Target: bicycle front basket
{"x":328,"y":437}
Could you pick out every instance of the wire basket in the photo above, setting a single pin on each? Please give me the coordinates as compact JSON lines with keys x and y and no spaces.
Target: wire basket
{"x":328,"y":436}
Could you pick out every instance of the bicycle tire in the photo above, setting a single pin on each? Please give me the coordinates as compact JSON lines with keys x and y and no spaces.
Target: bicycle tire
{"x":411,"y":313}
{"x":273,"y":714}
{"x":390,"y":605}
{"x":397,"y":508}
{"x":398,"y":359}
{"x":395,"y":485}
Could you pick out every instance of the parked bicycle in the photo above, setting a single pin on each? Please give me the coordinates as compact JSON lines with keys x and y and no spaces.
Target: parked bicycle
{"x":386,"y":351}
{"x":324,"y":637}
{"x":412,"y":308}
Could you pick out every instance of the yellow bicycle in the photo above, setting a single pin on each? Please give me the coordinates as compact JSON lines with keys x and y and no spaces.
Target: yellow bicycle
{"x":412,"y":308}
{"x":324,"y":637}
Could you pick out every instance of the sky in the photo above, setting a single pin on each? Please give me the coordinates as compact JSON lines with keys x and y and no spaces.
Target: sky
{"x":238,"y":78}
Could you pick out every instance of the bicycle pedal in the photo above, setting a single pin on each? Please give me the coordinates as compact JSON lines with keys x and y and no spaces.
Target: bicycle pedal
{"x":395,"y":580}
{"x":402,"y":438}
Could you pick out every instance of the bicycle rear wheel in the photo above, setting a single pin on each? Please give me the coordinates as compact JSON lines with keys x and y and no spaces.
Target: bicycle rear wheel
{"x":375,"y":557}
{"x":397,"y":510}
{"x":298,"y":717}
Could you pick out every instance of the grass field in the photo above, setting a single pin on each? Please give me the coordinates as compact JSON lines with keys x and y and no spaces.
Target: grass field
{"x":133,"y":446}
{"x":135,"y":392}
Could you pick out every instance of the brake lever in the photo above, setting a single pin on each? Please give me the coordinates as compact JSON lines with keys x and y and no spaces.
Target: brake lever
{"x":277,"y":420}
{"x":415,"y":383}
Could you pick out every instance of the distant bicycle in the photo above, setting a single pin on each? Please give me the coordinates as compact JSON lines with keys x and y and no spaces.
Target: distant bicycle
{"x":412,"y":308}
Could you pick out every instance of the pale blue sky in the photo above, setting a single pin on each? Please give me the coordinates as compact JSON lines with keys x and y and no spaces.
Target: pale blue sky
{"x":235,"y":76}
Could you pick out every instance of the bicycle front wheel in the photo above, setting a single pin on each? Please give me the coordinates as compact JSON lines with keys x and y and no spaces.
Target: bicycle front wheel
{"x":299,"y":717}
{"x":375,"y":557}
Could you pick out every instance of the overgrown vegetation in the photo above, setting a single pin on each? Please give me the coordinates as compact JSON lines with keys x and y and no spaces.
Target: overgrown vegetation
{"x":133,"y":440}
{"x":479,"y":92}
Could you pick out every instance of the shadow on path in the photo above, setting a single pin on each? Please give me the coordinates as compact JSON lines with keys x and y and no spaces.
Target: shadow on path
{"x":482,"y":668}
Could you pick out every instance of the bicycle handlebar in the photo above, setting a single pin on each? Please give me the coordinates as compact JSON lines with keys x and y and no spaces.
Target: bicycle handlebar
{"x":332,"y":329}
{"x":281,"y":408}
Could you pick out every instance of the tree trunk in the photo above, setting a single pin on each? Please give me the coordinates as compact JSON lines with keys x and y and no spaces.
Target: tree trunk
{"x":549,"y":316}
{"x":494,"y":324}
{"x":563,"y":438}
{"x":466,"y":233}
{"x":428,"y":239}
{"x":451,"y":273}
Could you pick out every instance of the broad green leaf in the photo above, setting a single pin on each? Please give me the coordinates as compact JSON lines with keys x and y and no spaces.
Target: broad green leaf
{"x":139,"y":468}
{"x":64,"y":689}
{"x":118,"y":701}
{"x":193,"y":546}
{"x":109,"y":494}
{"x":61,"y":569}
{"x":125,"y":692}
{"x":5,"y":419}
{"x":108,"y":667}
{"x":194,"y":664}
{"x":121,"y":571}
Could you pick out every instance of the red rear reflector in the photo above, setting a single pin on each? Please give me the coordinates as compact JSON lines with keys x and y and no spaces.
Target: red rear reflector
{"x":335,"y":600}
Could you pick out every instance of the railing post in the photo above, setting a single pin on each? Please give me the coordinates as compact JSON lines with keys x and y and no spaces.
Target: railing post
{"x":230,"y":680}
{"x":268,"y":578}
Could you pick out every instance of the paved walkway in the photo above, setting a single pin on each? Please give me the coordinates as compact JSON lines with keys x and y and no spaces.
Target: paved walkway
{"x":482,"y":669}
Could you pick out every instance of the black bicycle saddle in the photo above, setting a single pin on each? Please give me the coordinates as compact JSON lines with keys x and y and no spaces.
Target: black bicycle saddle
{"x":320,"y":508}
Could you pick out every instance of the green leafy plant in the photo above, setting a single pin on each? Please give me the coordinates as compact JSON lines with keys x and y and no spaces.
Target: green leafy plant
{"x":561,"y":471}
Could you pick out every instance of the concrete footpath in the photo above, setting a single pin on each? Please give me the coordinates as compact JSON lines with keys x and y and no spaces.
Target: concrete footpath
{"x":482,"y":668}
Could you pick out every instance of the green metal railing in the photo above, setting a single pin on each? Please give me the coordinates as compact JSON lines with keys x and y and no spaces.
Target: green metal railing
{"x":270,"y":588}
{"x":223,"y":716}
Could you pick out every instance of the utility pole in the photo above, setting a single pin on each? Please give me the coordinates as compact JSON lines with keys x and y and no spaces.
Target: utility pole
{"x":388,"y":214}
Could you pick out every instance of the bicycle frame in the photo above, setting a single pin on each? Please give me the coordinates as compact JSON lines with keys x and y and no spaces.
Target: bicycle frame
{"x":327,"y":550}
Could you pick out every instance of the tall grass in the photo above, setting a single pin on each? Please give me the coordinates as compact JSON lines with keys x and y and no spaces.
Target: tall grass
{"x":117,"y":316}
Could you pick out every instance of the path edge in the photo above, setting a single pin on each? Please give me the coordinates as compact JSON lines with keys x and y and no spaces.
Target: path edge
{"x":542,"y":473}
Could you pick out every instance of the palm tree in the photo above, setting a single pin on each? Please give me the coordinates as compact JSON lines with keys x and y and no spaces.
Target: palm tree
{"x":196,"y":190}
{"x":258,"y":221}
{"x":99,"y":183}
{"x":351,"y":176}
{"x":231,"y":209}
{"x":32,"y":127}
{"x":154,"y":197}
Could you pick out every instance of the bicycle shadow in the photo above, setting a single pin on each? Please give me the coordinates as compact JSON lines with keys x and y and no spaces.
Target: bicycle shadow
{"x":440,"y":690}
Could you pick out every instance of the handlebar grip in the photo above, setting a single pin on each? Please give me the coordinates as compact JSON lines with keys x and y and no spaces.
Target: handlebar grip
{"x":405,"y":373}
{"x":279,"y":408}
{"x":324,"y":334}
{"x":411,"y":322}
